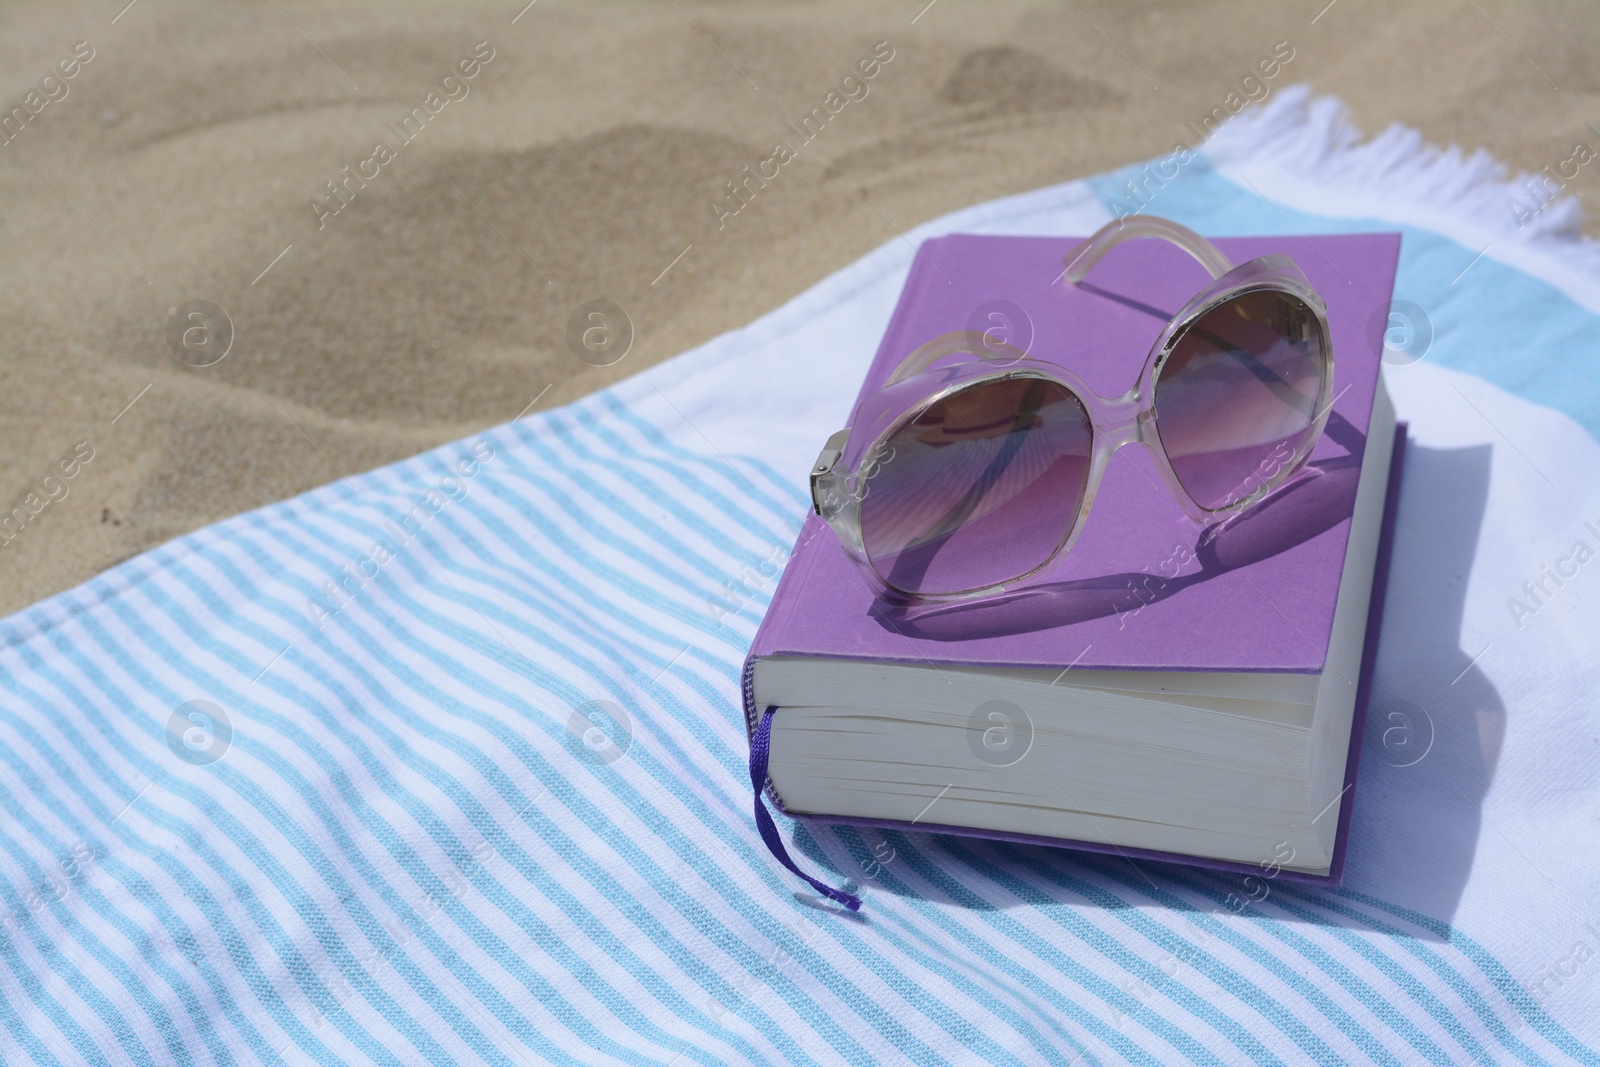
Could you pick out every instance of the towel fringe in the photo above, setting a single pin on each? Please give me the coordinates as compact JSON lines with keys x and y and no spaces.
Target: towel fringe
{"x":1299,"y":142}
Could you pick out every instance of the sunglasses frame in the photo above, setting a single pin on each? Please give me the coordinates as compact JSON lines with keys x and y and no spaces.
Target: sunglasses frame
{"x":852,"y":456}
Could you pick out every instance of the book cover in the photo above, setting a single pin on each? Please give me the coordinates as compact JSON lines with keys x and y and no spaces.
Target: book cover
{"x":1142,"y":589}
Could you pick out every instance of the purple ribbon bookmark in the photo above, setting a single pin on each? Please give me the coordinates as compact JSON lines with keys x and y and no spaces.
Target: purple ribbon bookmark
{"x":760,"y":744}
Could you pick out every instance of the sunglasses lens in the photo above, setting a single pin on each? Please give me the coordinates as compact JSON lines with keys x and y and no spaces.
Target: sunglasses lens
{"x":1237,"y":397}
{"x":979,"y":489}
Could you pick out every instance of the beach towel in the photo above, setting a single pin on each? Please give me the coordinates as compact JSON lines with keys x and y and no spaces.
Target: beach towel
{"x":444,"y":763}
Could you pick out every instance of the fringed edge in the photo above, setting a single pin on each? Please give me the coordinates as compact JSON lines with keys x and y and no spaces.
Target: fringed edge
{"x":1302,"y":150}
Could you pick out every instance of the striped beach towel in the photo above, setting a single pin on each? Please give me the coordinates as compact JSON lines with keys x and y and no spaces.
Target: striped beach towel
{"x":444,"y":763}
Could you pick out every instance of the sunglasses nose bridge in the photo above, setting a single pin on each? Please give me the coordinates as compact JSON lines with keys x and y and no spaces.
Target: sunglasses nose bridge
{"x":1120,"y":422}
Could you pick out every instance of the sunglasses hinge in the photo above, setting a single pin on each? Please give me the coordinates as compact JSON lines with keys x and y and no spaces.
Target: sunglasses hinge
{"x":824,"y":482}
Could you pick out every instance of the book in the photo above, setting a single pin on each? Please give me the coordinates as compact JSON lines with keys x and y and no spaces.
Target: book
{"x":1167,"y":691}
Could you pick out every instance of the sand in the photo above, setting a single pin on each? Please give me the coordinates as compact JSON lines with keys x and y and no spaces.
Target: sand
{"x":578,"y":163}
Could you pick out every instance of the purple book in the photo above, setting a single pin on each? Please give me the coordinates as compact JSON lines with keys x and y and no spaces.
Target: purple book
{"x":1259,"y":606}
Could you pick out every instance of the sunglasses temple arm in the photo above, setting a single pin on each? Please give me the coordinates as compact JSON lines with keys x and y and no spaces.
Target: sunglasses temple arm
{"x":1081,"y":260}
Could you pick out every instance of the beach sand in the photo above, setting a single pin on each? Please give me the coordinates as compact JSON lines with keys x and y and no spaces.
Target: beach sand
{"x":578,"y":163}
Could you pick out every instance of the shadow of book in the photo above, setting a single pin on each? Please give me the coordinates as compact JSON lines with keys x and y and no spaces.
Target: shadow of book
{"x":1436,"y":722}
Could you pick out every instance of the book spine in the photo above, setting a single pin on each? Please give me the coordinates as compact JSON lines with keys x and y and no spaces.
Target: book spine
{"x":747,"y":691}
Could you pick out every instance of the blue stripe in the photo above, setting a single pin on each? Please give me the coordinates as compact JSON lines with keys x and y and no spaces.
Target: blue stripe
{"x":580,"y":559}
{"x":929,"y":911}
{"x":24,"y":1033}
{"x":85,"y":936}
{"x":177,"y":932}
{"x":784,"y":513}
{"x":1491,"y":968}
{"x":1393,"y":971}
{"x":215,"y":915}
{"x":568,"y":611}
{"x":120,"y":1026}
{"x":569,"y":850}
{"x":1086,"y":932}
{"x":482,"y":936}
{"x":660,"y":537}
{"x":1314,"y":996}
{"x":63,"y":969}
{"x":571,"y":697}
{"x":1258,"y":1000}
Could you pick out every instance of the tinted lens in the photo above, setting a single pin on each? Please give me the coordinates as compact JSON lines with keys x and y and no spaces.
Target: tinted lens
{"x":979,"y":489}
{"x":1237,"y":397}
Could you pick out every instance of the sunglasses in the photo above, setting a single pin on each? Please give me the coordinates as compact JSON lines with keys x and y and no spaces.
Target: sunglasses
{"x":975,"y":466}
